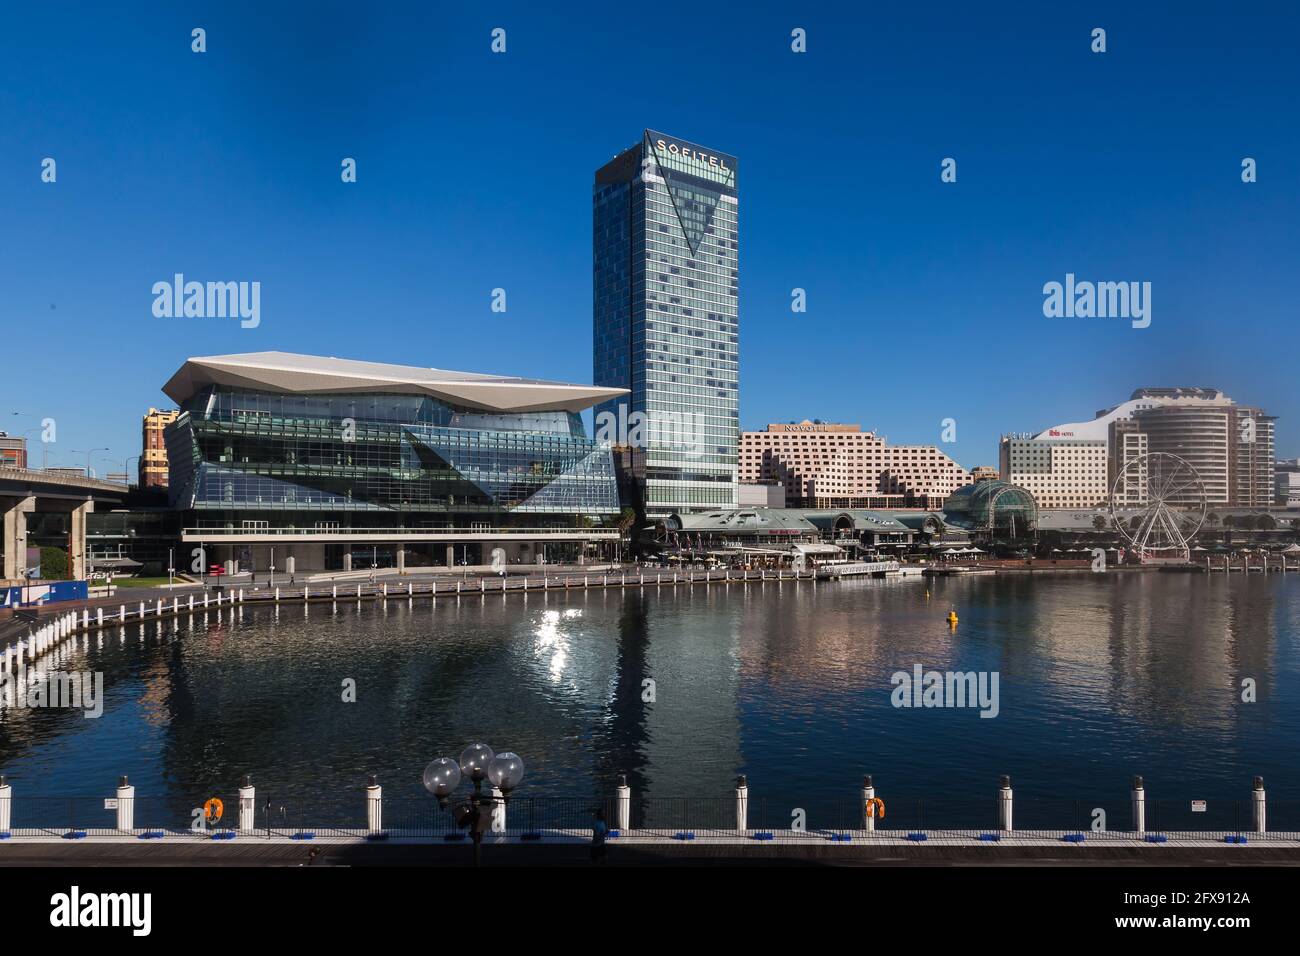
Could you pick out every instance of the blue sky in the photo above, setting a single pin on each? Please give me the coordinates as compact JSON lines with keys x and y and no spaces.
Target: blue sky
{"x":475,"y":169}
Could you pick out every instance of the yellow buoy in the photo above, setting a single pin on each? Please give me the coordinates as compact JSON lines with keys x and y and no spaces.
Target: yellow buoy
{"x":952,"y":618}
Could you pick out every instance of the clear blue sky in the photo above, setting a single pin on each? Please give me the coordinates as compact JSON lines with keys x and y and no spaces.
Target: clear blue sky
{"x":475,"y":170}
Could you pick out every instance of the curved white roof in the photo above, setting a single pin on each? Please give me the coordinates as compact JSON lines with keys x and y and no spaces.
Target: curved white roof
{"x":313,"y":374}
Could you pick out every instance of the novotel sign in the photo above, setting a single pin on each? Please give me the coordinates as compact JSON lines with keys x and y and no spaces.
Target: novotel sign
{"x":674,"y":148}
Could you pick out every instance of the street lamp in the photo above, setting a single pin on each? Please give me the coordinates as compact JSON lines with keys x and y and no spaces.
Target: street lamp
{"x":504,"y":771}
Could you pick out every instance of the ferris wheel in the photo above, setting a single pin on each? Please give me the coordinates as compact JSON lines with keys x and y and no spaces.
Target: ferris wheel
{"x":1157,"y":504}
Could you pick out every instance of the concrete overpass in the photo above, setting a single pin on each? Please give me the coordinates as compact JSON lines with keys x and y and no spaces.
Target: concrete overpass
{"x":24,"y":492}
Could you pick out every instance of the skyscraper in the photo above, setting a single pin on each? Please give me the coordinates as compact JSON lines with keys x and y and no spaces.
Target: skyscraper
{"x":665,"y":288}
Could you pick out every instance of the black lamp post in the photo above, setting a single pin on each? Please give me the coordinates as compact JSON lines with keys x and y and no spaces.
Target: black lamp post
{"x":504,"y":771}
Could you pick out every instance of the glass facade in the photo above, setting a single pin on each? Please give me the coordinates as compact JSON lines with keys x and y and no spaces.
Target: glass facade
{"x":381,"y":460}
{"x":665,"y":287}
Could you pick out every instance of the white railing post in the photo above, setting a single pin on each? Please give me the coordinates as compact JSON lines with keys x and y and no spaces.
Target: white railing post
{"x":623,"y":805}
{"x":1005,"y":820}
{"x":742,"y":804}
{"x":1139,"y":807}
{"x":6,"y":805}
{"x":1256,"y":806}
{"x":247,"y":806}
{"x":125,"y":806}
{"x":868,"y":807}
{"x":374,"y":807}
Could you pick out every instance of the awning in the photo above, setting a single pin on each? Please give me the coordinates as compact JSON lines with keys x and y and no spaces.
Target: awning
{"x":818,"y":549}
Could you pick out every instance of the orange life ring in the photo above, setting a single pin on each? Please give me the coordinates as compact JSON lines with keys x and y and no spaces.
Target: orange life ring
{"x":872,"y":805}
{"x":213,"y":809}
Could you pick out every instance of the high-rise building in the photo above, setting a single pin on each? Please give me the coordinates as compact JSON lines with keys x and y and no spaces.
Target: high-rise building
{"x":665,"y":286}
{"x":1230,"y":446}
{"x":831,"y":465}
{"x":153,"y":450}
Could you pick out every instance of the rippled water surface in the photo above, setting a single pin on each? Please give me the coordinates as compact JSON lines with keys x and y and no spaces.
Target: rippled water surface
{"x":1100,"y":677}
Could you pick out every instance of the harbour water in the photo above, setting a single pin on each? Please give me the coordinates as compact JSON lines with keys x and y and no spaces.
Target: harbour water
{"x":1099,"y":677}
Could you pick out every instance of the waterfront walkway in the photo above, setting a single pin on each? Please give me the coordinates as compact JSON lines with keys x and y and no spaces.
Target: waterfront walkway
{"x":944,"y":849}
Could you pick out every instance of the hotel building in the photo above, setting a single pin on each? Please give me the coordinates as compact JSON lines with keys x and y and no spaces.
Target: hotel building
{"x":665,"y":286}
{"x":321,"y":457}
{"x":826,"y":465}
{"x":1230,"y":446}
{"x":1058,"y":472}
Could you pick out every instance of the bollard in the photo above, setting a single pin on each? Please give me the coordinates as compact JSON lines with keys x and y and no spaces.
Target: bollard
{"x":742,"y":804}
{"x":1005,"y":821}
{"x":99,"y":616}
{"x":247,"y":811}
{"x":868,"y":794}
{"x":277,"y":594}
{"x":334,"y":593}
{"x":141,"y":614}
{"x":125,"y":806}
{"x":306,"y":593}
{"x":1257,"y":806}
{"x":85,"y":618}
{"x":191,"y":602}
{"x":374,"y":807}
{"x":385,"y":589}
{"x":622,"y":806}
{"x":1139,"y":807}
{"x":6,"y":806}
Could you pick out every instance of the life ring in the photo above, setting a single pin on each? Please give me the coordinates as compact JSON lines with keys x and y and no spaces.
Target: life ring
{"x":874,"y":804}
{"x":213,"y":809}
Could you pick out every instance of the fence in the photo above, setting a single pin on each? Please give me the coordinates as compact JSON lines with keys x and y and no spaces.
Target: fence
{"x":363,"y":814}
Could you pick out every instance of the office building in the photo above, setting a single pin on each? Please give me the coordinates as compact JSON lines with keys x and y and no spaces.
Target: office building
{"x":666,"y":320}
{"x":832,"y":465}
{"x":324,"y":457}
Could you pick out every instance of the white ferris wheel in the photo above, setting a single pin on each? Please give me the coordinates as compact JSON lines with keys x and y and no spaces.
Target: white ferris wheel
{"x":1157,"y":504}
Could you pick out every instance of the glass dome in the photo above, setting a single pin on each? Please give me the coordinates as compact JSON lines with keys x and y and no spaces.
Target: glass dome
{"x":1001,"y":500}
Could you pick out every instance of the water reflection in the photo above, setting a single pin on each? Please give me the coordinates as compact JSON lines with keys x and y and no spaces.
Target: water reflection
{"x":1101,"y":676}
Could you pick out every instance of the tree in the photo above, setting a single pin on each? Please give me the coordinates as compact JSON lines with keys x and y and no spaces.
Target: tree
{"x":1100,"y":523}
{"x":54,"y":564}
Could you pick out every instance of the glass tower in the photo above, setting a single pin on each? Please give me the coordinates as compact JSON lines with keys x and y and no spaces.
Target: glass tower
{"x":666,"y":321}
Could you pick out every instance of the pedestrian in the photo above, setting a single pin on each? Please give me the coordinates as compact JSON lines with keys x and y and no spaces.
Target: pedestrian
{"x":599,"y":830}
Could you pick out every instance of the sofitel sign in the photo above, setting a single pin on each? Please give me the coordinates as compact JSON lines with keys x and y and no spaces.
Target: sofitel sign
{"x":676,"y":149}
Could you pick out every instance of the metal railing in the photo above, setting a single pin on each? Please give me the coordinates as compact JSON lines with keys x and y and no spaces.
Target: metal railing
{"x":218,"y":533}
{"x":718,"y":818}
